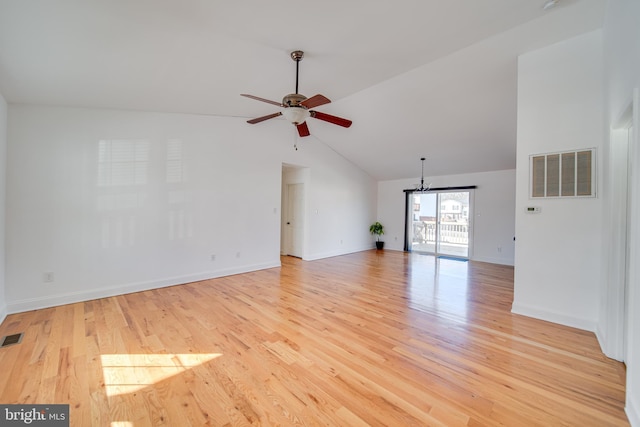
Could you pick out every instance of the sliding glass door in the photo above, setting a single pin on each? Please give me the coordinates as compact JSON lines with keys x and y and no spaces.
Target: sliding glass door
{"x":439,"y":222}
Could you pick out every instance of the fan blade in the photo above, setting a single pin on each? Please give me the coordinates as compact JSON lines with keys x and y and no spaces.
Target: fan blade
{"x":315,"y":101}
{"x":262,"y":99}
{"x":303,"y":129}
{"x":263,"y":118}
{"x":331,"y":119}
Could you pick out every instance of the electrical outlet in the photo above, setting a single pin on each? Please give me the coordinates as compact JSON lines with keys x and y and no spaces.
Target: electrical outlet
{"x":47,"y":277}
{"x":237,"y":254}
{"x":213,"y":257}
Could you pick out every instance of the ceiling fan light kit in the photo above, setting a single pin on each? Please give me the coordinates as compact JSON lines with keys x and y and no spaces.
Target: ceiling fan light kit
{"x":295,"y":115}
{"x":296,"y":107}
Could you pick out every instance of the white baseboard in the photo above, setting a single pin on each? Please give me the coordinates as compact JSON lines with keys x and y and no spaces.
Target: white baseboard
{"x":612,"y":350}
{"x":600,"y":336}
{"x":105,"y":292}
{"x":549,"y":316}
{"x":633,"y":412}
{"x":3,"y":313}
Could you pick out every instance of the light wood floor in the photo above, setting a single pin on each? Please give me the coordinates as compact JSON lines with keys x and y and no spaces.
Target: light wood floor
{"x":373,"y":338}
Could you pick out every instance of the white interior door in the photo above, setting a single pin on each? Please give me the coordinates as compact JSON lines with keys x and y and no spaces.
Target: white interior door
{"x":294,"y":224}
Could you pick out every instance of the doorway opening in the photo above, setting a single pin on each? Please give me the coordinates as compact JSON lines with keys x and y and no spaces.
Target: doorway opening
{"x":439,"y":222}
{"x":293,"y":209}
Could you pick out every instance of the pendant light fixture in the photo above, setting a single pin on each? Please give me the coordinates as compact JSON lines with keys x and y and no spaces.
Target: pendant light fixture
{"x":422,"y":188}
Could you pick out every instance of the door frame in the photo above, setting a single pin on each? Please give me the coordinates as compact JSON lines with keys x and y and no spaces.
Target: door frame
{"x":621,"y":276}
{"x":293,"y":174}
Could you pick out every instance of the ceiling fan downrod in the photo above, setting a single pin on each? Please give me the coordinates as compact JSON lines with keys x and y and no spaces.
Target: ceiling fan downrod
{"x":297,"y":56}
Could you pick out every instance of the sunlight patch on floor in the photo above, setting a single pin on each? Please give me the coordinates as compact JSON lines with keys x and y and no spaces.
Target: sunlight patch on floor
{"x":127,"y":373}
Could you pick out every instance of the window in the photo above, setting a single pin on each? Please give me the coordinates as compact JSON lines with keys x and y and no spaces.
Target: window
{"x":566,"y":174}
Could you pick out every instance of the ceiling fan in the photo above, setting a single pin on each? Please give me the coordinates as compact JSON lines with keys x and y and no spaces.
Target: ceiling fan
{"x":296,"y":107}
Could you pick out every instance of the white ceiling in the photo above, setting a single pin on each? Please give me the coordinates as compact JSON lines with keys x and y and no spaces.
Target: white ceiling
{"x":417,"y":77}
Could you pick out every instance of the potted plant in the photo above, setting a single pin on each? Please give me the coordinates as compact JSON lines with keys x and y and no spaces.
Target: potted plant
{"x":377,"y":229}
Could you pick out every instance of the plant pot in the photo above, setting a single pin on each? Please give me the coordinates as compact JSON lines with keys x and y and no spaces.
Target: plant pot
{"x":379,"y":245}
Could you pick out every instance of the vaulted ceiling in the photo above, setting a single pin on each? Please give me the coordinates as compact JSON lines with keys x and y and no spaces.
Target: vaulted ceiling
{"x":418,"y":77}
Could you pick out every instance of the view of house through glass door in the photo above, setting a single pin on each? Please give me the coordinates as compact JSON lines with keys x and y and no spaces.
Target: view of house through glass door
{"x":439,"y":223}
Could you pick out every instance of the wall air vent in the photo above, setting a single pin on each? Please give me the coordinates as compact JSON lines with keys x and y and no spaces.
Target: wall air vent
{"x":11,"y":339}
{"x":562,"y":175}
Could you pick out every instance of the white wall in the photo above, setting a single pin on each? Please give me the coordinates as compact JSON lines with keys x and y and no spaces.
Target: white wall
{"x":622,"y":82}
{"x":493,"y":218}
{"x":3,"y":165}
{"x":340,"y":210}
{"x":559,"y":253}
{"x":102,"y":237}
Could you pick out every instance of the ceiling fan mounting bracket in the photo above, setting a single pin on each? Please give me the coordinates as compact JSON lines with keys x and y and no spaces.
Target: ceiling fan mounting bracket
{"x":297,"y":55}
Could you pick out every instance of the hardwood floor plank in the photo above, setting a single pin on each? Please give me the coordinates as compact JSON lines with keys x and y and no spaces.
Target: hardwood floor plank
{"x":377,"y":338}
